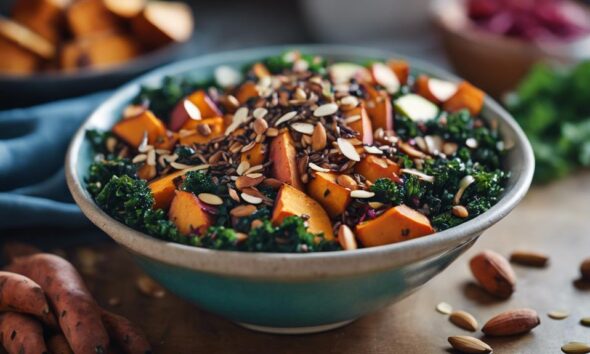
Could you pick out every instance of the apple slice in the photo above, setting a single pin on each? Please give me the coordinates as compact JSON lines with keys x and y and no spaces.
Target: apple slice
{"x":342,"y":73}
{"x":416,"y":107}
{"x":384,"y":76}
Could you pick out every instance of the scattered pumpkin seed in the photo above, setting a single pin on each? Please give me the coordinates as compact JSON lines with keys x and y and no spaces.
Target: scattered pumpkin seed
{"x":558,"y":315}
{"x":575,"y":348}
{"x":444,"y":308}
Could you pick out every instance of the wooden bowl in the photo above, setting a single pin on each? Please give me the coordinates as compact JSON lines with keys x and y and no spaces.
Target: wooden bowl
{"x":492,"y":62}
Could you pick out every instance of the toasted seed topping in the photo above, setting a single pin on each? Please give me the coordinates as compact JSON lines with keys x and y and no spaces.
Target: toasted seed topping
{"x":361,"y":194}
{"x":260,"y":126}
{"x":349,"y":102}
{"x":242,"y":167}
{"x":260,"y":113}
{"x":463,"y":184}
{"x":352,"y":119}
{"x":285,"y":117}
{"x":241,"y":115}
{"x":326,"y":110}
{"x":248,"y":147}
{"x":460,"y":211}
{"x":139,"y":158}
{"x":418,"y":174}
{"x":464,"y":320}
{"x":272,"y":132}
{"x":303,"y":128}
{"x":210,"y":199}
{"x":373,"y":150}
{"x":348,"y":150}
{"x":467,"y":344}
{"x":247,"y":181}
{"x":346,"y":238}
{"x":251,"y":199}
{"x":347,"y":182}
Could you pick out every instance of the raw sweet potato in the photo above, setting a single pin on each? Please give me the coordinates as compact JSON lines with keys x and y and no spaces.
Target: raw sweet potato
{"x":362,"y":126}
{"x":21,"y":334}
{"x":45,"y":17}
{"x":397,"y":224}
{"x":78,"y":314}
{"x":255,"y":156}
{"x":207,"y":109}
{"x":125,"y":10}
{"x":205,"y":130}
{"x":86,"y":18}
{"x":163,"y":189}
{"x":12,"y":250}
{"x":58,"y":344}
{"x":332,"y":196}
{"x":129,"y":337}
{"x":379,"y":108}
{"x":187,"y":212}
{"x":162,"y":22}
{"x":373,"y":168}
{"x":291,"y":201}
{"x":21,"y":294}
{"x":284,"y":160}
{"x":467,"y":96}
{"x":401,"y":68}
{"x":247,"y":91}
{"x":99,"y":51}
{"x":26,"y":39}
{"x":132,"y":130}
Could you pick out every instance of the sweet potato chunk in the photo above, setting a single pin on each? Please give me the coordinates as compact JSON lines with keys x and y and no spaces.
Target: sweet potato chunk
{"x":98,"y":51}
{"x":467,"y":96}
{"x":44,"y":17}
{"x":291,"y":201}
{"x":131,"y":130}
{"x":401,"y":68}
{"x":127,"y":9}
{"x":373,"y":168}
{"x":332,"y":196}
{"x":16,"y":60}
{"x":187,"y":213}
{"x":284,"y":160}
{"x":161,"y":23}
{"x":397,"y":224}
{"x":362,"y":126}
{"x":247,"y":91}
{"x":255,"y":156}
{"x":260,"y":70}
{"x":379,"y":108}
{"x":26,"y":39}
{"x":202,"y":135}
{"x":423,"y":89}
{"x":163,"y":189}
{"x":91,"y":17}
{"x":207,"y":109}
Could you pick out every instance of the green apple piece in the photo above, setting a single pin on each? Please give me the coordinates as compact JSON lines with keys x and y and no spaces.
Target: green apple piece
{"x":441,"y":89}
{"x":342,"y":73}
{"x":416,"y":107}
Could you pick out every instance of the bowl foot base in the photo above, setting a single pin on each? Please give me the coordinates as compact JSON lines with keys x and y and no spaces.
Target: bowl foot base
{"x":295,"y":330}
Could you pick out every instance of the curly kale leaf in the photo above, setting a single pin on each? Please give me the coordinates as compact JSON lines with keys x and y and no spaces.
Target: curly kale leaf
{"x":387,"y":191}
{"x":101,"y":172}
{"x":126,"y":199}
{"x":199,"y":182}
{"x":220,"y":238}
{"x":98,"y":140}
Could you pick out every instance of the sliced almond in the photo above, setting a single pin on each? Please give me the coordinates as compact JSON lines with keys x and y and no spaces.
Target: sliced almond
{"x":347,"y":182}
{"x":470,"y":345}
{"x":315,"y":167}
{"x":348,"y":103}
{"x":192,"y":110}
{"x":373,"y":150}
{"x":303,"y":128}
{"x":463,"y":184}
{"x":346,"y":238}
{"x":210,"y":199}
{"x":352,"y":119}
{"x":319,"y":137}
{"x":242,"y":211}
{"x":285,"y":118}
{"x":410,"y":150}
{"x":242,"y":167}
{"x":260,"y":126}
{"x":248,"y":147}
{"x":260,"y":113}
{"x":362,"y":194}
{"x":272,"y":132}
{"x":348,"y":150}
{"x":420,"y":175}
{"x":241,"y":115}
{"x":326,"y":110}
{"x":460,"y":211}
{"x":251,"y":199}
{"x":247,"y":181}
{"x":464,"y":320}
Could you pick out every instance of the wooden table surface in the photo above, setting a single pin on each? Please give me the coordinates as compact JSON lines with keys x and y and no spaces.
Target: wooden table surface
{"x":554,"y":219}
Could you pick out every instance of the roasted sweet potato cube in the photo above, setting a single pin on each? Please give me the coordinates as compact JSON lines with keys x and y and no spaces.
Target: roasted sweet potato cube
{"x":188,"y":214}
{"x":207,"y":109}
{"x":127,"y":9}
{"x":397,"y":224}
{"x":332,"y":196}
{"x":205,"y":130}
{"x":379,"y":108}
{"x":163,"y":189}
{"x":131,"y":130}
{"x":247,"y":91}
{"x":99,"y":51}
{"x":162,"y":22}
{"x":284,"y":160}
{"x":259,"y":70}
{"x":291,"y":201}
{"x":255,"y":156}
{"x":27,"y":39}
{"x":467,"y":96}
{"x":401,"y":68}
{"x":16,"y":60}
{"x":45,"y":17}
{"x":363,"y":125}
{"x":86,"y":18}
{"x":423,"y":89}
{"x":373,"y":168}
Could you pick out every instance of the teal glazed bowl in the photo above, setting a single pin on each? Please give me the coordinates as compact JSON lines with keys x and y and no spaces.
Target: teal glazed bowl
{"x":293,"y":293}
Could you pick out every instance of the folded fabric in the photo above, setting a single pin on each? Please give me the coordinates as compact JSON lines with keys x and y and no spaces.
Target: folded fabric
{"x":33,"y":144}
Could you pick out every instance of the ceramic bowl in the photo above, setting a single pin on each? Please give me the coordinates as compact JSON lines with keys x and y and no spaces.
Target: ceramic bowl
{"x":293,"y":293}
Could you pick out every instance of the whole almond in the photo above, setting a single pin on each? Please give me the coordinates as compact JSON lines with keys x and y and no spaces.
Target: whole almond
{"x":318,"y":138}
{"x":494,"y":273}
{"x":470,"y":345}
{"x":585,"y":269}
{"x":464,"y":320}
{"x":346,"y":238}
{"x":247,"y":181}
{"x":512,"y":322}
{"x":528,"y":258}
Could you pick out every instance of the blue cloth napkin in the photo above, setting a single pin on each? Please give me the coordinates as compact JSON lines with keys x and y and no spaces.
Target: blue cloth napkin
{"x":33,"y":144}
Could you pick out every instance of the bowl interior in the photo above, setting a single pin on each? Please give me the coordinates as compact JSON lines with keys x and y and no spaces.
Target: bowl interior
{"x":519,"y":161}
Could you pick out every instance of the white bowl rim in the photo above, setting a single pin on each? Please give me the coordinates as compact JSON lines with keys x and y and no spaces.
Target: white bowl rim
{"x":288,"y":265}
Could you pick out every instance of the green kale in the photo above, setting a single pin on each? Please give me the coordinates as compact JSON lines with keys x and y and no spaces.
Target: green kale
{"x":101,"y":172}
{"x":279,"y":63}
{"x":459,"y":127}
{"x":387,"y":191}
{"x":126,"y":199}
{"x":445,"y":221}
{"x":98,"y":139}
{"x":406,"y":128}
{"x":199,"y":182}
{"x":220,"y":238}
{"x":243,"y":224}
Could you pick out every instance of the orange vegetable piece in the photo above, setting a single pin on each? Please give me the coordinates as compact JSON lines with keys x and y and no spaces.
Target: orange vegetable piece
{"x":291,"y":201}
{"x":163,"y":189}
{"x":284,"y":158}
{"x":467,"y":96}
{"x":131,"y":130}
{"x":247,"y":91}
{"x":187,"y":213}
{"x":207,"y":107}
{"x":215,"y":125}
{"x":255,"y":156}
{"x":373,"y":168}
{"x":423,"y":89}
{"x":332,"y":196}
{"x":362,"y":126}
{"x":260,"y":70}
{"x":90,"y":17}
{"x":401,"y":68}
{"x":397,"y":224}
{"x":379,"y":108}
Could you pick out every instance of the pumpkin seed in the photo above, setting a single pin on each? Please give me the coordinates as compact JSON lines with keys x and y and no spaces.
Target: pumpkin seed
{"x":558,"y":315}
{"x":576,"y":348}
{"x":444,"y":308}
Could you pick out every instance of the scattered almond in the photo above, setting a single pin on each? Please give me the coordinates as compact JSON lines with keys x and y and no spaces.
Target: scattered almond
{"x":243,"y":210}
{"x":260,"y":126}
{"x":285,"y":117}
{"x":318,"y":138}
{"x":149,"y":287}
{"x":576,"y":348}
{"x":362,"y":194}
{"x":494,"y":273}
{"x":460,"y":211}
{"x":248,"y":181}
{"x":346,"y":238}
{"x":444,"y":308}
{"x":558,"y":315}
{"x":528,"y":258}
{"x":348,"y":150}
{"x":303,"y":128}
{"x":470,"y":345}
{"x":347,"y":182}
{"x":464,"y":320}
{"x":326,"y":110}
{"x":210,"y":199}
{"x":251,"y":199}
{"x":512,"y":322}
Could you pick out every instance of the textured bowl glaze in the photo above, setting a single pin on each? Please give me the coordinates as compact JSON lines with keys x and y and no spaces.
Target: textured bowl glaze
{"x":293,"y":293}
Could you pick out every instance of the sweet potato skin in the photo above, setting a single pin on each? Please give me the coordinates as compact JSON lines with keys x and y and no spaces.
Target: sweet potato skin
{"x":153,"y":25}
{"x":90,"y":17}
{"x":21,"y":334}
{"x":362,"y":126}
{"x":401,"y":68}
{"x":186,"y":211}
{"x":283,"y":156}
{"x":423,"y":89}
{"x":78,"y":314}
{"x":16,"y":60}
{"x":46,"y":17}
{"x":131,"y":130}
{"x":21,"y":294}
{"x":247,"y":91}
{"x":129,"y":337}
{"x":163,"y":189}
{"x":291,"y":201}
{"x":373,"y":168}
{"x":58,"y":344}
{"x":397,"y":224}
{"x":332,"y":196}
{"x":255,"y":156}
{"x":98,"y":51}
{"x":467,"y":96}
{"x":379,"y":108}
